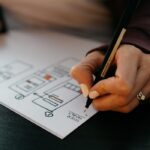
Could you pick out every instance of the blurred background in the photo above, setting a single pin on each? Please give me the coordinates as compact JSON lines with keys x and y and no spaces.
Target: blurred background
{"x":86,"y":18}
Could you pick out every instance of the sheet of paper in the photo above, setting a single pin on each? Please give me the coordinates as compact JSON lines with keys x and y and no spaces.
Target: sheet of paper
{"x":35,"y":81}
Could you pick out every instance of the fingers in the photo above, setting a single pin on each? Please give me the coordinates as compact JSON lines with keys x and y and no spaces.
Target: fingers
{"x":119,"y":93}
{"x":134,"y":102}
{"x":115,"y":103}
{"x":83,"y":72}
{"x":125,"y":103}
{"x":123,"y":81}
{"x":112,"y":85}
{"x":121,"y":103}
{"x":109,"y":102}
{"x":142,"y":82}
{"x":127,"y":108}
{"x":146,"y":90}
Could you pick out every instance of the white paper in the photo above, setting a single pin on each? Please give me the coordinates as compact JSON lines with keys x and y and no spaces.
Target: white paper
{"x":35,"y":83}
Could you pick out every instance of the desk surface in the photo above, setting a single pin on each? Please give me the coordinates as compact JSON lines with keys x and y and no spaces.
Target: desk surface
{"x":104,"y":131}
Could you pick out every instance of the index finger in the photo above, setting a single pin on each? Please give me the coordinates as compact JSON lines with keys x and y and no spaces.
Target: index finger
{"x":83,"y":72}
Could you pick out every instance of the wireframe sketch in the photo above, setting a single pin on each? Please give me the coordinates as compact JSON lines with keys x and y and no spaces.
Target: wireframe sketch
{"x":57,"y":97}
{"x":13,"y":69}
{"x":40,"y":79}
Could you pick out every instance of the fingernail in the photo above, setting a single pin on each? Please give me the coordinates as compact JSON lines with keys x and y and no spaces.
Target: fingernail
{"x":71,"y":70}
{"x":84,"y":89}
{"x":93,"y":94}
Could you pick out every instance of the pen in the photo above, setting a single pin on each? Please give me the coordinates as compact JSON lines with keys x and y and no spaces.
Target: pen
{"x":121,"y":29}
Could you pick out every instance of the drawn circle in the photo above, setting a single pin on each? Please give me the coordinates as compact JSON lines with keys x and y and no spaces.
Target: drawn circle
{"x":19,"y":97}
{"x":48,"y":114}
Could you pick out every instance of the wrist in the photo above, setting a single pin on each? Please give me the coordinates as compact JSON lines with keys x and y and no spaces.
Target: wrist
{"x":102,"y":50}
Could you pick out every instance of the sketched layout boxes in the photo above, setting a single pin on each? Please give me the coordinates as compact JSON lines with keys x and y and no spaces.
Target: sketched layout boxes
{"x":55,"y":98}
{"x":40,"y":79}
{"x":13,"y":69}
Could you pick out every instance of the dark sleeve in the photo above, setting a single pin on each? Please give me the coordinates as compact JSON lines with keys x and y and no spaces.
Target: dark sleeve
{"x":138,"y":31}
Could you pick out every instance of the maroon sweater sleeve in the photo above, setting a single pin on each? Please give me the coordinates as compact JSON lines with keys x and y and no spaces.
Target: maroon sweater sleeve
{"x":138,"y":31}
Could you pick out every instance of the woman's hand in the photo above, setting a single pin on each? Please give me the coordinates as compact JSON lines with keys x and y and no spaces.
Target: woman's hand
{"x":119,"y":92}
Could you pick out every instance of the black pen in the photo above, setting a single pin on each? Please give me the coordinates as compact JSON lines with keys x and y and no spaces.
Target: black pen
{"x":121,"y":29}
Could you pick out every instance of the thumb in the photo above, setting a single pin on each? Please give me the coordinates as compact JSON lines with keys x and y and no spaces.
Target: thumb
{"x":83,"y":72}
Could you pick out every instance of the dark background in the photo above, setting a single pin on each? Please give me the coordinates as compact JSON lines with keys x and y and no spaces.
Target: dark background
{"x":3,"y":27}
{"x":104,"y":131}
